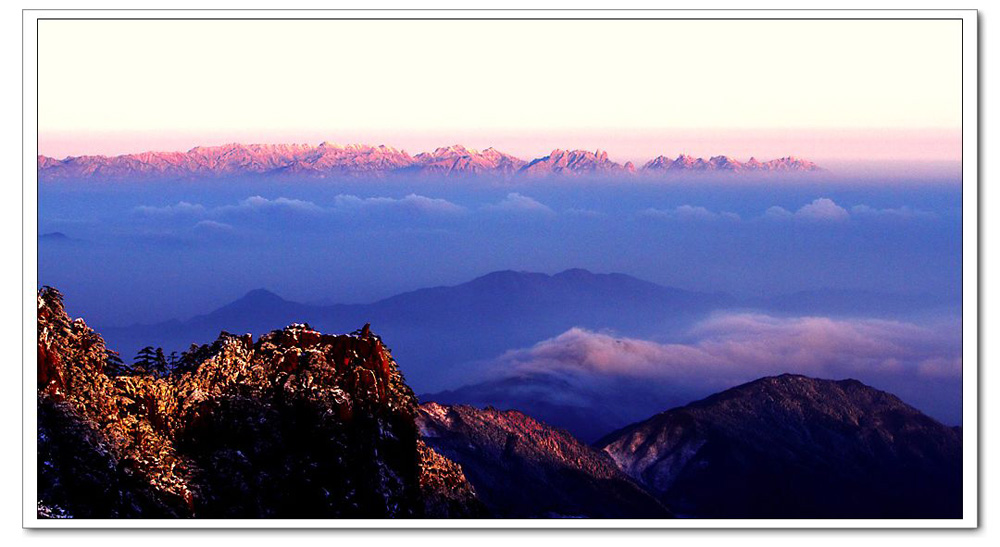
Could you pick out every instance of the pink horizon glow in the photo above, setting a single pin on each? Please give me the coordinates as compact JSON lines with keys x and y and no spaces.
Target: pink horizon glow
{"x":837,"y":146}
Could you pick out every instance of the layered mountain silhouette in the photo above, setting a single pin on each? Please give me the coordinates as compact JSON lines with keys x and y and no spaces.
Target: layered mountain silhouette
{"x":440,"y":330}
{"x":796,"y":447}
{"x":360,"y":160}
{"x":445,"y":334}
{"x":298,"y":423}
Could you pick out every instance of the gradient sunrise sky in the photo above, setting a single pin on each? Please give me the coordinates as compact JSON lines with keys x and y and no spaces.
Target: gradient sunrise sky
{"x":825,"y":89}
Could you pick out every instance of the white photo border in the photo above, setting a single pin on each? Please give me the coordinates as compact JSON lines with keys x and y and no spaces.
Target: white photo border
{"x":970,"y":271}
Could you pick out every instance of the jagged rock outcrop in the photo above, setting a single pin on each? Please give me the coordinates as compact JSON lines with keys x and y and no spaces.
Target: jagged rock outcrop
{"x":522,"y":468}
{"x":796,"y":447}
{"x":445,"y":490}
{"x":459,"y":160}
{"x":235,"y":159}
{"x":351,"y":160}
{"x":296,"y":424}
{"x":576,"y":162}
{"x":361,"y":160}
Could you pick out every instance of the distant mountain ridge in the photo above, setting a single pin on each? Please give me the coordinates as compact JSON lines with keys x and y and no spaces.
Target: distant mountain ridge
{"x":726,"y":163}
{"x":361,"y":160}
{"x":520,"y":308}
{"x":297,"y":423}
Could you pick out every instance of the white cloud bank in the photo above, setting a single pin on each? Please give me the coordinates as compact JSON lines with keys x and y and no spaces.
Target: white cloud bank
{"x":519,"y":204}
{"x":688,"y":213}
{"x":744,"y":346}
{"x":819,"y":210}
{"x":412,"y":203}
{"x":343,"y":204}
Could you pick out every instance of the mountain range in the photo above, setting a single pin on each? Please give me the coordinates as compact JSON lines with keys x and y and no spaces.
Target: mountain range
{"x":297,"y":423}
{"x":465,"y":323}
{"x":448,"y":336}
{"x":360,"y":160}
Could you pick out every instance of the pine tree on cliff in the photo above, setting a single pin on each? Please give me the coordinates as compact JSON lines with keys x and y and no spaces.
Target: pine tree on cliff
{"x":113,"y":364}
{"x":152,"y":361}
{"x":190,"y":359}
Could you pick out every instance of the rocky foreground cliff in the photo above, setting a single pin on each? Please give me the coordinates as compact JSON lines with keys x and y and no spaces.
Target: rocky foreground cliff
{"x":295,"y":424}
{"x":522,"y":468}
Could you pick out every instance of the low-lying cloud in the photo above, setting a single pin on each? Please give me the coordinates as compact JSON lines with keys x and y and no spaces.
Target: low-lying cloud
{"x":182,"y":208}
{"x":827,"y":210}
{"x":744,"y":346}
{"x":519,"y":204}
{"x":688,"y":212}
{"x":283,"y":208}
{"x":611,"y":381}
{"x":904,"y":212}
{"x":514,"y":204}
{"x":257,"y":204}
{"x":412,"y":203}
{"x":213,"y":226}
{"x":819,"y":210}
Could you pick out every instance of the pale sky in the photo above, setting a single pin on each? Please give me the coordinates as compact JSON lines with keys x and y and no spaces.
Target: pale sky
{"x":822,"y":89}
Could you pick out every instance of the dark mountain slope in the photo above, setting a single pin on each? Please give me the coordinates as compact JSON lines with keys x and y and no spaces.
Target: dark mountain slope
{"x":796,"y":447}
{"x":523,"y":468}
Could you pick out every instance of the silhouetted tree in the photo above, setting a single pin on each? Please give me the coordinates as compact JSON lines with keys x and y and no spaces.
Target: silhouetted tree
{"x":160,"y":364}
{"x":113,"y":364}
{"x":51,"y":293}
{"x":54,"y":298}
{"x":190,"y":359}
{"x":152,"y":361}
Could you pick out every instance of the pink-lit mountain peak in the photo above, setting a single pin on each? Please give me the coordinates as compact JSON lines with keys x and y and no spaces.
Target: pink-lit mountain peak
{"x":684,"y":162}
{"x":572,"y":162}
{"x":457,"y":159}
{"x":328,"y":159}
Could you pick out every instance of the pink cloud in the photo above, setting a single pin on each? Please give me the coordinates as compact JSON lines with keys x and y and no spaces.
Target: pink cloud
{"x":517,"y":203}
{"x":743,"y":346}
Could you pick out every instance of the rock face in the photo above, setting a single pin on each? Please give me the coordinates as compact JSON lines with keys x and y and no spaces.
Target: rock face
{"x":522,"y":468}
{"x":459,"y":160}
{"x":298,"y":424}
{"x":361,"y":160}
{"x":796,"y":447}
{"x":234,"y":159}
{"x":577,"y":162}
